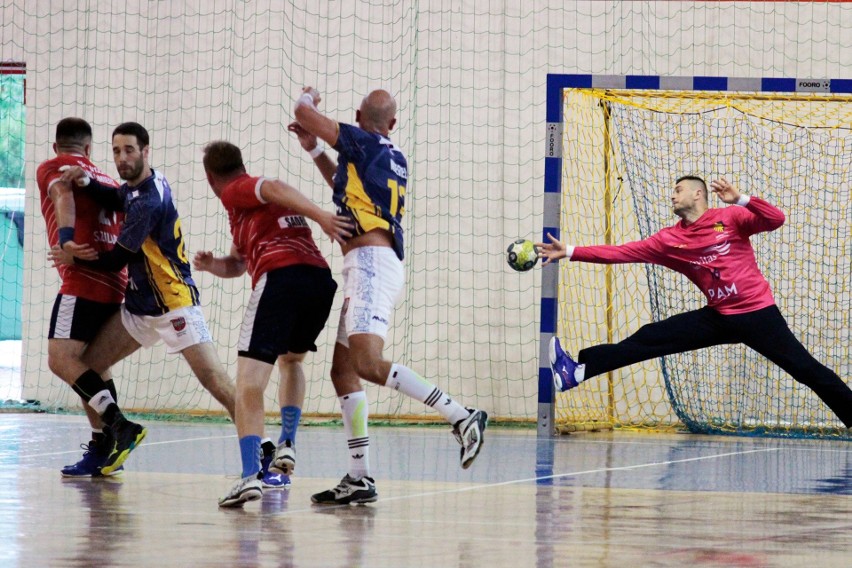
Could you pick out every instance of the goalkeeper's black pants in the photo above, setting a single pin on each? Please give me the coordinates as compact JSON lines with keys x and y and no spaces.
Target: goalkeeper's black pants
{"x":765,"y":330}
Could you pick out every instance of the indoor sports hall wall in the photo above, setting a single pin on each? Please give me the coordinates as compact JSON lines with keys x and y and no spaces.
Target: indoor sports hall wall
{"x":469,"y":78}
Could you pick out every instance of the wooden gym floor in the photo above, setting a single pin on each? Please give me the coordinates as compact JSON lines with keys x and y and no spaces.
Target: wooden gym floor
{"x":590,"y":499}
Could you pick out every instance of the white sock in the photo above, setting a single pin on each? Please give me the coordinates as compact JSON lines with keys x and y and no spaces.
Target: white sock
{"x":101,"y":400}
{"x":355,"y":409}
{"x":580,"y":373}
{"x":408,"y":382}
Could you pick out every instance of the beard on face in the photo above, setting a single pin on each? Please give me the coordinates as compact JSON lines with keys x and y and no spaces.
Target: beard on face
{"x":132,"y":170}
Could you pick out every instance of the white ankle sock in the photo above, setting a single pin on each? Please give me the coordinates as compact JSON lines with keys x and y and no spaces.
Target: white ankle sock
{"x":101,"y":400}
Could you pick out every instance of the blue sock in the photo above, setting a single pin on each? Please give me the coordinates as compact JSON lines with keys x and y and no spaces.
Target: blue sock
{"x":290,"y":416}
{"x":250,"y":453}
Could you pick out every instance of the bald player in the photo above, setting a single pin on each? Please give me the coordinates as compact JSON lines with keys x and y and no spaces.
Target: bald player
{"x":369,"y":181}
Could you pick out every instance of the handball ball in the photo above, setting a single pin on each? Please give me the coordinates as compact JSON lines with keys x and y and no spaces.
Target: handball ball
{"x":522,"y":255}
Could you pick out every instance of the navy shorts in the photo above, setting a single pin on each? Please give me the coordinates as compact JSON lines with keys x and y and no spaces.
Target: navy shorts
{"x":287,"y":311}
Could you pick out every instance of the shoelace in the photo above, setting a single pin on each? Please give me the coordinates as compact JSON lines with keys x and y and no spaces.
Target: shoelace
{"x":346,"y":481}
{"x":87,"y":449}
{"x":457,"y":431}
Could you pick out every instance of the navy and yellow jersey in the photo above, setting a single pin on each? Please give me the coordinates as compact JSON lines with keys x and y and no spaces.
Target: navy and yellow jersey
{"x":369,"y":184}
{"x":159,"y":279}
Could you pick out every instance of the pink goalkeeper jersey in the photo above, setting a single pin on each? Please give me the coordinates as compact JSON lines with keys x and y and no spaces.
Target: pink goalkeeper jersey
{"x":714,"y":252}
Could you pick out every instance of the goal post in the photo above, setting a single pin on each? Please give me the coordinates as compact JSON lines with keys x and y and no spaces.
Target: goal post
{"x":614,"y":148}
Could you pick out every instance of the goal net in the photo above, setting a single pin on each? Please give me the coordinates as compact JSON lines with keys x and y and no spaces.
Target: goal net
{"x":196,"y":71}
{"x":622,"y":151}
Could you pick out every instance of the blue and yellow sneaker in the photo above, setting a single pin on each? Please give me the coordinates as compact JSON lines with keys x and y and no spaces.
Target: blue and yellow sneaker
{"x":128,"y":435}
{"x":95,"y":455}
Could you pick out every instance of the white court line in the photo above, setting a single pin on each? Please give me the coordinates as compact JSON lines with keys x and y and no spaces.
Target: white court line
{"x":800,"y":444}
{"x":532,"y":479}
{"x":190,"y":440}
{"x":821,"y":450}
{"x":142,"y":445}
{"x":576,"y":473}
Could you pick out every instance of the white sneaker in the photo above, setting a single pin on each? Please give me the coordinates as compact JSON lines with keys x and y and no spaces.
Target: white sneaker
{"x":246,"y":489}
{"x":284,"y":461}
{"x":469,"y":433}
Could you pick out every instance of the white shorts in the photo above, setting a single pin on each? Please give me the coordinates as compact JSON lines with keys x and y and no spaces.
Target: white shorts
{"x":178,"y":329}
{"x":373,"y":278}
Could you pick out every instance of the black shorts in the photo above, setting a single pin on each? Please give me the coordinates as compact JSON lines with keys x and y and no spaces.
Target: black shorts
{"x":286,"y":313}
{"x":78,"y":318}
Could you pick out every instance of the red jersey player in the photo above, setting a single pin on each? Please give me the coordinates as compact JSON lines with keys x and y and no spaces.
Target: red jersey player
{"x":292,"y":293}
{"x":87,"y":298}
{"x":711,"y":247}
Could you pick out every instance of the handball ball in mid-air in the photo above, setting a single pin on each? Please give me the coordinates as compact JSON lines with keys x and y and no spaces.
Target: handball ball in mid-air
{"x":522,"y":255}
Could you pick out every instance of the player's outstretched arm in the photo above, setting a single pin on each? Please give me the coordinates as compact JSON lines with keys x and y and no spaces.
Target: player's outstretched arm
{"x":554,"y":250}
{"x":312,"y":119}
{"x":765,"y":216}
{"x":113,"y":260}
{"x":309,"y":142}
{"x":337,"y":227}
{"x":725,"y":190}
{"x":230,"y":266}
{"x":104,"y":195}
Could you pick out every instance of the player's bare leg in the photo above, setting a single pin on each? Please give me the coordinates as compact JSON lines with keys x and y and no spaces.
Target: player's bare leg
{"x":291,"y":397}
{"x":365,"y":357}
{"x":252,"y":378}
{"x":208,"y":369}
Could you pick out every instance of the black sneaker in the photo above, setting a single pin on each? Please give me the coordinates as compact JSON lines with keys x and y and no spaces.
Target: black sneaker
{"x":128,"y":435}
{"x":349,"y":491}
